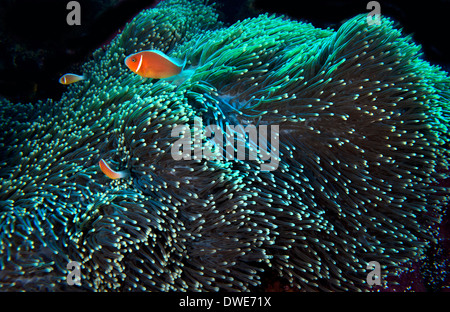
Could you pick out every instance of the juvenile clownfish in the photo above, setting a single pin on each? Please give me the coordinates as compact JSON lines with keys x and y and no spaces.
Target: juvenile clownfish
{"x":106,"y":169}
{"x":154,"y":64}
{"x":70,"y":78}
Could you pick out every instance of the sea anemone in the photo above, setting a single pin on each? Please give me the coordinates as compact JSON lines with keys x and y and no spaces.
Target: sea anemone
{"x":363,"y":140}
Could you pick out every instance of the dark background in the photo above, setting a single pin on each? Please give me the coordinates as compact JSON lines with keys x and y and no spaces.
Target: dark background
{"x":37,"y":47}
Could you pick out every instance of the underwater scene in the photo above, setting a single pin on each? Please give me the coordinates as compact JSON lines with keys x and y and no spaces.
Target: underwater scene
{"x":223,"y":146}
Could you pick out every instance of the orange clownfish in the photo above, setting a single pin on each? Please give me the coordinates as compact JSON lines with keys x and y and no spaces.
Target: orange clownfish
{"x":106,"y":169}
{"x":70,"y":78}
{"x":154,"y":64}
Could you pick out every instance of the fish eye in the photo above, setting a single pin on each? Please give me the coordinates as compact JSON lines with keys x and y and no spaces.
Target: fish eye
{"x":133,"y":60}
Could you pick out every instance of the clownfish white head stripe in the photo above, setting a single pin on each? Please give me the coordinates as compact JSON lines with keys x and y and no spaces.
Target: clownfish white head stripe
{"x":140,"y":63}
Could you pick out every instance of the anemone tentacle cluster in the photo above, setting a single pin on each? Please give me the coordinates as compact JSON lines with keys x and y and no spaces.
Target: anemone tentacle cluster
{"x":363,"y":140}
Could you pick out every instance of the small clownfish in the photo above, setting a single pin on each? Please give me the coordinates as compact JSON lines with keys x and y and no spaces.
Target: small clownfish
{"x":70,"y":78}
{"x":106,"y":169}
{"x":154,"y":64}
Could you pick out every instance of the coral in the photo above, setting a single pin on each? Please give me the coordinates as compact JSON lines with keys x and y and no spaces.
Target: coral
{"x":363,"y":141}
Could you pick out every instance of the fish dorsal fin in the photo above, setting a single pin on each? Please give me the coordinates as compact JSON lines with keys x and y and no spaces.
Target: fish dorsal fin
{"x":183,"y":65}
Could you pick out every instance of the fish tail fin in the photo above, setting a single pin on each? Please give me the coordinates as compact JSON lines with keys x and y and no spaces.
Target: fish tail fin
{"x":183,"y":76}
{"x":179,"y":62}
{"x":125,"y":173}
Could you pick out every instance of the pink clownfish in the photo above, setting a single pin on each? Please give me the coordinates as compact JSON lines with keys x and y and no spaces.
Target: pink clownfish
{"x":154,"y":64}
{"x":112,"y":174}
{"x":70,"y":78}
